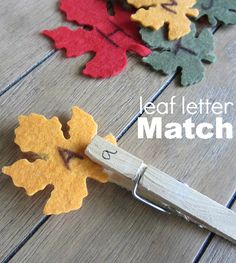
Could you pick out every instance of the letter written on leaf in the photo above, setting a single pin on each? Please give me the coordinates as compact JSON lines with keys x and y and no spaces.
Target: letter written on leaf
{"x":109,"y":37}
{"x":66,"y":166}
{"x":167,"y":6}
{"x":156,"y":13}
{"x":187,"y":53}
{"x":223,"y":11}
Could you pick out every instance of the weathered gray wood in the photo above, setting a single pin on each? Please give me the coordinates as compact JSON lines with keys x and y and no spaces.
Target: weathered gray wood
{"x":111,"y":226}
{"x":21,"y":44}
{"x":188,"y":203}
{"x":220,"y":251}
{"x":161,"y":189}
{"x":53,"y":89}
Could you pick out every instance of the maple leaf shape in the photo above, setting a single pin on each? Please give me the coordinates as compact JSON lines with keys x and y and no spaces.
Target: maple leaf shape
{"x":63,"y":163}
{"x":158,"y":12}
{"x":218,"y":10}
{"x":109,"y":37}
{"x":186,"y":53}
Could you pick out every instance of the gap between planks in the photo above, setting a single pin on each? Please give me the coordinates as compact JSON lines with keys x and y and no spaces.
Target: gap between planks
{"x":211,"y":236}
{"x":51,"y":53}
{"x":122,"y":133}
{"x":153,"y":98}
{"x":28,"y":71}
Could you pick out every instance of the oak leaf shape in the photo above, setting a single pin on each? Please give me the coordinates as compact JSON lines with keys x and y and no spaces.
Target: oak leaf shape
{"x":156,"y":13}
{"x":62,"y":161}
{"x":186,"y":53}
{"x":109,"y":37}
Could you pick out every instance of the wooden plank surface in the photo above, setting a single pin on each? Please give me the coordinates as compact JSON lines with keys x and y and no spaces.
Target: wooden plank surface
{"x":220,"y":250}
{"x":21,"y":44}
{"x":111,"y":226}
{"x":51,"y":90}
{"x":162,"y":189}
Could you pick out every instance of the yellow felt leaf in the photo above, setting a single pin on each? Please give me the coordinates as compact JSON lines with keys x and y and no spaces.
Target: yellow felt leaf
{"x":156,"y":13}
{"x":62,"y":162}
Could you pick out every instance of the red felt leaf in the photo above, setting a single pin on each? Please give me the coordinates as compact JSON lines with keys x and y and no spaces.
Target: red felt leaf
{"x":110,"y":37}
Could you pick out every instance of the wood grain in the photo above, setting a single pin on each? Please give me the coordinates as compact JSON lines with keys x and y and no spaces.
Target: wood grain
{"x":53,"y":89}
{"x":188,"y":203}
{"x":123,"y":168}
{"x":111,"y":226}
{"x":21,"y":44}
{"x":162,"y":190}
{"x":220,"y":251}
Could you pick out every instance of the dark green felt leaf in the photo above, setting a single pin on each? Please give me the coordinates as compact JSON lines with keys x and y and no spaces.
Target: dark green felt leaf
{"x":218,"y":10}
{"x":186,"y":53}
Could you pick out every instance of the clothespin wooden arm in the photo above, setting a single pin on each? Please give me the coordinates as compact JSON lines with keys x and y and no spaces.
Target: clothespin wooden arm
{"x":161,"y":189}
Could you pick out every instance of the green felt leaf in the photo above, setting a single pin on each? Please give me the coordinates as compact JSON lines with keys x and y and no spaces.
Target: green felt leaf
{"x":187,"y":53}
{"x":218,"y":10}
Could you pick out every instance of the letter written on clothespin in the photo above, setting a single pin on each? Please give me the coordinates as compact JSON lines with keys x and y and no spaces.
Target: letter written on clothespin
{"x":162,"y":191}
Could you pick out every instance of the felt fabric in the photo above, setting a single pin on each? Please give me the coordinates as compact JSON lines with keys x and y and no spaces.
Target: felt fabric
{"x":156,"y":13}
{"x":61,"y":162}
{"x":218,"y":10}
{"x":109,"y":37}
{"x":186,"y":53}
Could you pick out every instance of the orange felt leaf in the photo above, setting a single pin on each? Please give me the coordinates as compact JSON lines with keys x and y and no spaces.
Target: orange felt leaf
{"x":156,"y":13}
{"x":62,"y":162}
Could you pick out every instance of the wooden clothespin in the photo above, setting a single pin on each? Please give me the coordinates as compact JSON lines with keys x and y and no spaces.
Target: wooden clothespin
{"x":161,"y":191}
